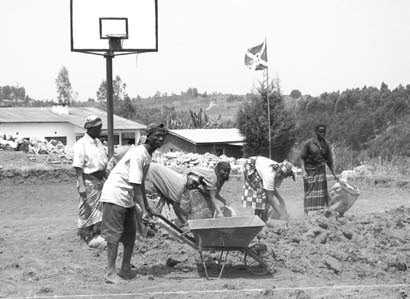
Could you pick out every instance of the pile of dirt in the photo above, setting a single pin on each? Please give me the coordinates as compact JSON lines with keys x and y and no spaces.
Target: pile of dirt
{"x":373,"y":246}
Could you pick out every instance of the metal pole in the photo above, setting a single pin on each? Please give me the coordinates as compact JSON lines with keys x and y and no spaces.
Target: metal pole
{"x":110,"y":105}
{"x":267,"y":98}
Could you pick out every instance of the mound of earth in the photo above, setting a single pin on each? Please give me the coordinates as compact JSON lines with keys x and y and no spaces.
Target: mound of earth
{"x":326,"y":246}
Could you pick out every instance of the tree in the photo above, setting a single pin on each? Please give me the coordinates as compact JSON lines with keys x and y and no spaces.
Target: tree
{"x":295,"y":94}
{"x":252,"y":121}
{"x":126,"y":108}
{"x":119,"y":92}
{"x":64,"y":89}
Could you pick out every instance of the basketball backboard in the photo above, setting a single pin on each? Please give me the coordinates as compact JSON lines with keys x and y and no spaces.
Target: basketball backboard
{"x":94,"y":21}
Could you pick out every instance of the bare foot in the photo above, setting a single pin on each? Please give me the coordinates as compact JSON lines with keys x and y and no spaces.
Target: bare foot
{"x":127,"y":274}
{"x":113,"y":278}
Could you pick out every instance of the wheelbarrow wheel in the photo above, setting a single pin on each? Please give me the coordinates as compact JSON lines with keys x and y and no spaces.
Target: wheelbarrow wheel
{"x":254,"y":259}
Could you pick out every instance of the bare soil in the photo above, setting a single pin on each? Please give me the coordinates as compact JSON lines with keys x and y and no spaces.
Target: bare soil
{"x":365,"y":254}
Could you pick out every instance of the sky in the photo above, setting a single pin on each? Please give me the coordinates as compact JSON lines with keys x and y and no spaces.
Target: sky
{"x":314,"y":46}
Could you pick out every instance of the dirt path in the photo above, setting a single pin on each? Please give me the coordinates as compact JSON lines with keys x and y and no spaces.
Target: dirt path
{"x":40,"y":255}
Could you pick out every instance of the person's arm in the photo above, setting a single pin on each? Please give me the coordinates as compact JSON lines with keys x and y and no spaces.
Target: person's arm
{"x":139,"y":197}
{"x":220,"y":198}
{"x":216,"y":212}
{"x":302,"y":158}
{"x":280,"y":208}
{"x":329,"y":159}
{"x":80,"y":180}
{"x":302,"y":165}
{"x":178,"y":211}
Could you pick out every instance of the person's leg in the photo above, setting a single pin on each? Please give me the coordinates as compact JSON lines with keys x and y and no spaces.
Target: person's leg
{"x":111,"y":230}
{"x":112,"y":251}
{"x":128,"y":239}
{"x":270,"y":200}
{"x":282,"y":207}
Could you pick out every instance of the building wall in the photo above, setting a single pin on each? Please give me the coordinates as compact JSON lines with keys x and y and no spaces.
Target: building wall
{"x":58,"y":131}
{"x":220,"y":149}
{"x":172,"y":141}
{"x":41,"y":130}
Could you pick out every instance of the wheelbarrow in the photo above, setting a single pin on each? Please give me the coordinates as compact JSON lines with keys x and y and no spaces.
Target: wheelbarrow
{"x":225,"y":235}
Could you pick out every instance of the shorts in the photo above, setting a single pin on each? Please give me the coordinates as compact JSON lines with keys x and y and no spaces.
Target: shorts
{"x":118,"y":224}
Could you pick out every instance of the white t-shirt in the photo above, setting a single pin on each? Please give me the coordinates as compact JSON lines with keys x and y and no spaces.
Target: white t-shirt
{"x":131,"y":169}
{"x":170,"y":183}
{"x":264,"y":167}
{"x":89,"y":154}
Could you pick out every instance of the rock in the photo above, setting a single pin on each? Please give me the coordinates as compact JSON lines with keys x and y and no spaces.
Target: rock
{"x":296,"y":239}
{"x":348,"y":234}
{"x":313,"y":232}
{"x":322,"y":238}
{"x":97,"y":242}
{"x":333,"y":264}
{"x":323,"y":225}
{"x":171,"y":262}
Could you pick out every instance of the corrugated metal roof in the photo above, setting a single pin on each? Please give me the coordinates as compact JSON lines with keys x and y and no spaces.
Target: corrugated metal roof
{"x":76,"y":116}
{"x":210,"y":135}
{"x":29,"y":115}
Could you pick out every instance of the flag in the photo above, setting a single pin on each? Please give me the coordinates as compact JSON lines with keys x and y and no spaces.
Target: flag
{"x":256,"y":58}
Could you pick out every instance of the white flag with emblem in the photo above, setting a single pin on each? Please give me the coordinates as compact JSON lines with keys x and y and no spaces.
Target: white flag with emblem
{"x":256,"y":58}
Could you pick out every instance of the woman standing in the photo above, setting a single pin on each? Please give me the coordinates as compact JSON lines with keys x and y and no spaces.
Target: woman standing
{"x":89,"y":161}
{"x":315,"y":155}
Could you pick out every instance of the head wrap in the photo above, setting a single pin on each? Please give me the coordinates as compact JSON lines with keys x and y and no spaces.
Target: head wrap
{"x":92,"y":121}
{"x":287,"y":168}
{"x":223,"y":165}
{"x":154,"y":127}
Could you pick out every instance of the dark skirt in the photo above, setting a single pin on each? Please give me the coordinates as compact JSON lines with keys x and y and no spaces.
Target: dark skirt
{"x":315,"y":187}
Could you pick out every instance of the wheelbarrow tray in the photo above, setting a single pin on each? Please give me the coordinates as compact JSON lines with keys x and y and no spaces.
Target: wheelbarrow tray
{"x":225,"y":233}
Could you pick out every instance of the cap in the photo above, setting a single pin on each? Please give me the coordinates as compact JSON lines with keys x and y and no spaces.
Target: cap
{"x":154,"y":127}
{"x":92,"y":121}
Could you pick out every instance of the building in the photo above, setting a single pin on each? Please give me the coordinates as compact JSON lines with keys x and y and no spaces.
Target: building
{"x":62,"y":123}
{"x":227,"y":142}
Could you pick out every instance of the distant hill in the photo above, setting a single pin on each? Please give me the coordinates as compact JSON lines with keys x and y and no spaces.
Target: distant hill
{"x":214,"y":105}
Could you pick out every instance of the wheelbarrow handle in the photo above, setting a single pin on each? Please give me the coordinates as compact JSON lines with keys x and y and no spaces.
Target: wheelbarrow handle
{"x":178,"y":232}
{"x":167,"y":222}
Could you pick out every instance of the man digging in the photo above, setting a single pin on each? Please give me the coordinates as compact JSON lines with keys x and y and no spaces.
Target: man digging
{"x":122,"y":190}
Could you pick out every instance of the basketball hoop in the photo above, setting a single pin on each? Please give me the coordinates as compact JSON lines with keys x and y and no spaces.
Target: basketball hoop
{"x":115,"y":41}
{"x":113,"y":18}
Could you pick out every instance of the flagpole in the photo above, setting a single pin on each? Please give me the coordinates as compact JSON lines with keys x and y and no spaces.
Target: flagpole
{"x":267,"y":98}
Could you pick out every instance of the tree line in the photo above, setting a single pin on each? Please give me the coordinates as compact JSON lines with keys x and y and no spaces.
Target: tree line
{"x":366,"y":121}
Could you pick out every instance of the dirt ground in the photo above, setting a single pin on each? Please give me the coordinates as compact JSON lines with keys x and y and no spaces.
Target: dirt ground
{"x":41,"y":256}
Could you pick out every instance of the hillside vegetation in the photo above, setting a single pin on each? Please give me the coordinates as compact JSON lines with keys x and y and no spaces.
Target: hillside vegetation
{"x":363,"y":123}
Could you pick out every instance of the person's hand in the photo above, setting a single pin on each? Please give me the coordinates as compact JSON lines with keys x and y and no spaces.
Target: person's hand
{"x":184,"y":227}
{"x":218,"y":214}
{"x":148,"y":212}
{"x":334,"y":175}
{"x":83,"y":194}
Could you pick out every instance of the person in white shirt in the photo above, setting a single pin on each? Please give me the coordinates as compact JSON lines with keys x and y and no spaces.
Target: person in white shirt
{"x":122,"y":190}
{"x":263,"y":177}
{"x":89,"y":161}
